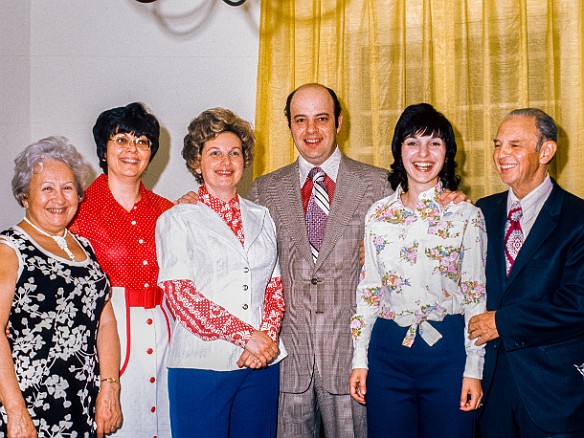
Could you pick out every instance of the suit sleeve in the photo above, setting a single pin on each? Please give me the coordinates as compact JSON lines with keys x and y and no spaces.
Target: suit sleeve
{"x":254,"y":194}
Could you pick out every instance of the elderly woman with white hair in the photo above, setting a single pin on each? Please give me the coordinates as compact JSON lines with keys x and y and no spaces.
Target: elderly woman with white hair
{"x":59,"y":358}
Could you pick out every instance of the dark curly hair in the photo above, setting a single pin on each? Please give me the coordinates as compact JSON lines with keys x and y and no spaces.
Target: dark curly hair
{"x":130,"y":119}
{"x":423,"y":119}
{"x":207,"y":126}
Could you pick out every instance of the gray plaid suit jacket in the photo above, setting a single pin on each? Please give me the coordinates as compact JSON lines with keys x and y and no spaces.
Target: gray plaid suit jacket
{"x":320,"y":298}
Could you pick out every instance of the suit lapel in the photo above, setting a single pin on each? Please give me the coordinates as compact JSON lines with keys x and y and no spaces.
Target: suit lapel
{"x":349,"y":190}
{"x":291,"y":213}
{"x":252,"y":226}
{"x":216,"y":226}
{"x":497,"y":234}
{"x":544,"y":225}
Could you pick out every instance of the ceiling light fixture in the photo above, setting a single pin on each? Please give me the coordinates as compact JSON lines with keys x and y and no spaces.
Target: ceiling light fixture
{"x":229,"y":2}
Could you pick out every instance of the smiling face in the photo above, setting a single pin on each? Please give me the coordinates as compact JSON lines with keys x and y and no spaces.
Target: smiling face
{"x":127,"y":160}
{"x":312,"y":123}
{"x":52,"y":198}
{"x":521,"y":167}
{"x":423,"y":158}
{"x":221,"y":165}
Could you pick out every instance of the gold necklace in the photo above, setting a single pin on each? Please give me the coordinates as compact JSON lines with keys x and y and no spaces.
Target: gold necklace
{"x":59,"y":240}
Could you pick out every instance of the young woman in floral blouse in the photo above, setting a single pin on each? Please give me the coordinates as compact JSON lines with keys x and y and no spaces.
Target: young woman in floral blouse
{"x":422,"y":280}
{"x":219,"y":271}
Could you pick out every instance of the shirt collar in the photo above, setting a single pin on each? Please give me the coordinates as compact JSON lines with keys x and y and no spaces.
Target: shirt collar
{"x":428,"y":203}
{"x":103,"y":185}
{"x":211,"y":201}
{"x":330,"y":166}
{"x":541,"y":192}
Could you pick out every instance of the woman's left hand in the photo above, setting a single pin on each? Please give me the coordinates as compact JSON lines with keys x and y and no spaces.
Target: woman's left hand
{"x":358,"y":384}
{"x":248,"y":360}
{"x":108,"y":413}
{"x":471,"y":394}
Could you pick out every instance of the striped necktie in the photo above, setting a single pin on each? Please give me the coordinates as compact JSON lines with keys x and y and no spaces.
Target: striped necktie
{"x":513,"y":235}
{"x":317,"y":211}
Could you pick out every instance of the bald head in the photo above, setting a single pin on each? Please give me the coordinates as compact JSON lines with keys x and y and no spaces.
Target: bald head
{"x":334,"y":100}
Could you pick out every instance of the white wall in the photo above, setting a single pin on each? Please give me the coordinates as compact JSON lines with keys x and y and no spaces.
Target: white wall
{"x":15,"y":96}
{"x":73,"y":59}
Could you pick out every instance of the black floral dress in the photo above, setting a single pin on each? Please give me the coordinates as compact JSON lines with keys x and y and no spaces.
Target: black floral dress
{"x":53,"y":332}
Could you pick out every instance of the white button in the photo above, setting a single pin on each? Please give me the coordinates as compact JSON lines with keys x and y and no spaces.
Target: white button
{"x":146,"y":285}
{"x":133,"y":222}
{"x":140,"y":240}
{"x":144,"y":262}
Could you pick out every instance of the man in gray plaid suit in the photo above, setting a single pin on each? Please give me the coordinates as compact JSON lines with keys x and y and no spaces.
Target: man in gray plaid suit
{"x":319,"y":283}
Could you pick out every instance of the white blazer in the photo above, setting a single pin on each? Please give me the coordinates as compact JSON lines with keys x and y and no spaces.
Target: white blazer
{"x":193,"y":243}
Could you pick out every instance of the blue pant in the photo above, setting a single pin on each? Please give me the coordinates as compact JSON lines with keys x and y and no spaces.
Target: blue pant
{"x":221,"y":404}
{"x":415,"y":392}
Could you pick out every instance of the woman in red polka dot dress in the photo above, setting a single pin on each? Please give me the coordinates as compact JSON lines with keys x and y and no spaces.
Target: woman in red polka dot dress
{"x":118,"y":217}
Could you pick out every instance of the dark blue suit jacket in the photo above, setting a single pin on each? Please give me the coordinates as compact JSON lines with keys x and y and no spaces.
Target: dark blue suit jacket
{"x":540,"y":309}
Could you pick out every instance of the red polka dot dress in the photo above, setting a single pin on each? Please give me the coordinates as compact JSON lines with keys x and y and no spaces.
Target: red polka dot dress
{"x":125,"y":248}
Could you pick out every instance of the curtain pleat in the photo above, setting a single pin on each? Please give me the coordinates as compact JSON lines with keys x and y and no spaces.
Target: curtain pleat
{"x":473,"y":60}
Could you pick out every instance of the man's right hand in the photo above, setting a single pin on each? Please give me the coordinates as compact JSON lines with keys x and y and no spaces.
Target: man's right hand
{"x":188,"y":198}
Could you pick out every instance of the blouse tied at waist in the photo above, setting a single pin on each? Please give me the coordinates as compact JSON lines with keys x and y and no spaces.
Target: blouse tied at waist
{"x":419,"y":324}
{"x":421,"y":266}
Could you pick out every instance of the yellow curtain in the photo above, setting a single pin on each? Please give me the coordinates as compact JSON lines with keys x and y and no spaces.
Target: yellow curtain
{"x":473,"y":60}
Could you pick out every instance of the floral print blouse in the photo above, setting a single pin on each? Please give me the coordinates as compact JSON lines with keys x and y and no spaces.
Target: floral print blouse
{"x":419,"y":267}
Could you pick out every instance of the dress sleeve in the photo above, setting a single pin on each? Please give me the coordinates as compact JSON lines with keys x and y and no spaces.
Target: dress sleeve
{"x":473,"y":288}
{"x":203,"y":317}
{"x":369,"y":292}
{"x":274,"y":307}
{"x":178,"y":266}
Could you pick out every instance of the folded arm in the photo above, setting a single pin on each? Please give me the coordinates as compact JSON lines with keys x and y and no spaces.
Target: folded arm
{"x":211,"y":322}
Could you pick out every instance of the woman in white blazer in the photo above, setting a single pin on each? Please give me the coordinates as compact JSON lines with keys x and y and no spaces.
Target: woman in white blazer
{"x":219,"y":270}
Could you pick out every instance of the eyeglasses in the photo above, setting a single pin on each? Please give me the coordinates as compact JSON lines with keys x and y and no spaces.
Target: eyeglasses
{"x":124,"y":141}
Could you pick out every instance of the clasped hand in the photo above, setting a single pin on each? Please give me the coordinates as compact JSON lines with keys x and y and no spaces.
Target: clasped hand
{"x":259,"y":351}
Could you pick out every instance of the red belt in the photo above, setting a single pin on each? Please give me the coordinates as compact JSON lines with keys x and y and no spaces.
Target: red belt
{"x":147,"y":298}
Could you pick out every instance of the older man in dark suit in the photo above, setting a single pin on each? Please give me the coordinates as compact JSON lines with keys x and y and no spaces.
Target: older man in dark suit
{"x":534,"y":326}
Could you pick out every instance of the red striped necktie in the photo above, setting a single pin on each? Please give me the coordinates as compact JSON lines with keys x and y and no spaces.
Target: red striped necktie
{"x":513,"y":235}
{"x":317,"y":211}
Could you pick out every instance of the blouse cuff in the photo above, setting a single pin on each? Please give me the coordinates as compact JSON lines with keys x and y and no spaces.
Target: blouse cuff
{"x":474,"y":366}
{"x":360,"y":359}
